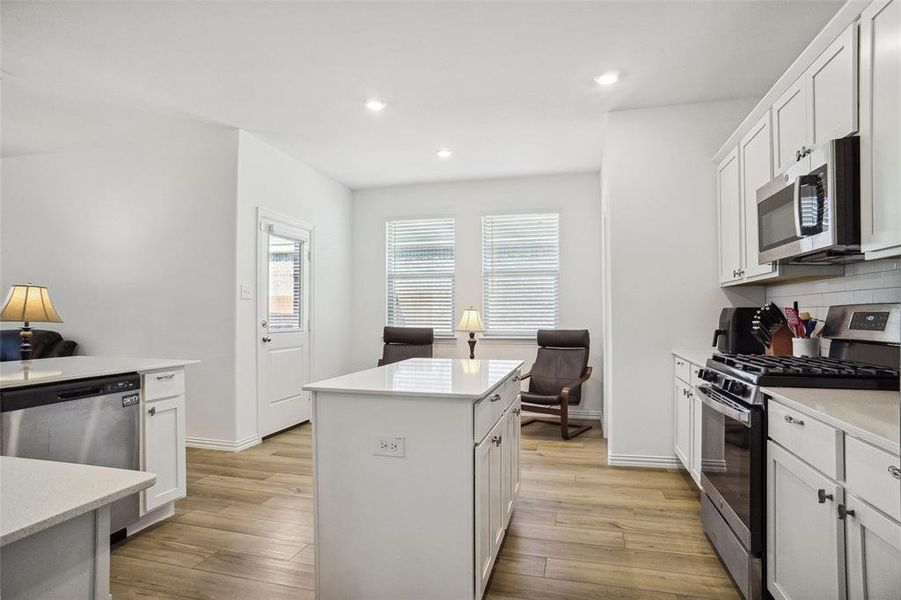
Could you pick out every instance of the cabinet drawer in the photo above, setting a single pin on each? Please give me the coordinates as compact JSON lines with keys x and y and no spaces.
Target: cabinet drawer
{"x":489,"y":409}
{"x":868,"y":473}
{"x":814,"y":442}
{"x":163,"y":384}
{"x":682,"y":369}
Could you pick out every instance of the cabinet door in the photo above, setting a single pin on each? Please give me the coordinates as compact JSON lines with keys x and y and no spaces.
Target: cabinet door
{"x":880,"y":129}
{"x":483,"y":541}
{"x":696,"y":413}
{"x":874,"y":552}
{"x":756,"y":162}
{"x":832,"y":83}
{"x":496,"y":485}
{"x":790,"y":125}
{"x":682,"y":434}
{"x":510,"y":447}
{"x":730,"y":218}
{"x":164,"y":451}
{"x":805,"y":538}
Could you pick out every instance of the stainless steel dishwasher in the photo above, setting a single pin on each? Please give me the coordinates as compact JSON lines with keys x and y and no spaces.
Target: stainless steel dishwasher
{"x":88,"y":421}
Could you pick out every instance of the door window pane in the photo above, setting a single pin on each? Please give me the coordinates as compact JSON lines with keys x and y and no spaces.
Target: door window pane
{"x":285,"y":281}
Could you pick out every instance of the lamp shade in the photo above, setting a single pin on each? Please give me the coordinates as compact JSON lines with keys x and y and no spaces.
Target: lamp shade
{"x":470,"y":321}
{"x":29,"y":303}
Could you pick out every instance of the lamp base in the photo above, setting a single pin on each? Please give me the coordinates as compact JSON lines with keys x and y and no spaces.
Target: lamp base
{"x":472,"y":345}
{"x":25,"y":346}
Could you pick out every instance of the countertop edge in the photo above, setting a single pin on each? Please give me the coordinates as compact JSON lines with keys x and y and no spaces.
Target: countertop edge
{"x":876,"y":440}
{"x":692,"y":354}
{"x":140,"y":365}
{"x":76,"y":511}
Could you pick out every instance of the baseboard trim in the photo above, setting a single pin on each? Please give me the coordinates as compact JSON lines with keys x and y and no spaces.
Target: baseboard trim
{"x":642,"y":460}
{"x":224,"y":445}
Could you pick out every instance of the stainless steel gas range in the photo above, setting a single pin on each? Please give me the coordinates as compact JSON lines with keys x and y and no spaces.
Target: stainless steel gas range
{"x":864,"y":353}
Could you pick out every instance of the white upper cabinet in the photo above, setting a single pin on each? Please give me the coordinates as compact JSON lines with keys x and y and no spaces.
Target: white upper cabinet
{"x":832,"y":93}
{"x":880,"y":128}
{"x":756,"y":161}
{"x":731,"y":239}
{"x":790,"y":125}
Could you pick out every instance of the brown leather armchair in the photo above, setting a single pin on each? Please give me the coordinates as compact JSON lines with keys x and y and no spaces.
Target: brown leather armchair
{"x":556,"y":378}
{"x":402,"y":343}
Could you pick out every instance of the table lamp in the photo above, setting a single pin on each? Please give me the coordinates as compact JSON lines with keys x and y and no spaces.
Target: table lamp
{"x":471,"y":321}
{"x":28,"y":304}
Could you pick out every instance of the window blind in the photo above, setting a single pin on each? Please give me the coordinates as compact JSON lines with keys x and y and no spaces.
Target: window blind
{"x":420,"y":274}
{"x":520,"y":273}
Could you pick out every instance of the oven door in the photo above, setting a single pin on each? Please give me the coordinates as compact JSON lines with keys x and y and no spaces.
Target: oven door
{"x":733,"y":438}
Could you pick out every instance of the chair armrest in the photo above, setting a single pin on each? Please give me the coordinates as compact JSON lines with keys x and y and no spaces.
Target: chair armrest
{"x":526,"y":376}
{"x":580,"y":381}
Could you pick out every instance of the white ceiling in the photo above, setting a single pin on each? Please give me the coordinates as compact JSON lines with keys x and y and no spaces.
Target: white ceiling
{"x":507,"y":85}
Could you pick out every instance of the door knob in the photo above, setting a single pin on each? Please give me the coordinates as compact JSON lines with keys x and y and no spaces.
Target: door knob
{"x":267,"y":339}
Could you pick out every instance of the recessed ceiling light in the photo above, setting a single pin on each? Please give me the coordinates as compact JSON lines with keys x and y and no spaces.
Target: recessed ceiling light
{"x":444,"y":153}
{"x":375,"y":105}
{"x":608,"y":78}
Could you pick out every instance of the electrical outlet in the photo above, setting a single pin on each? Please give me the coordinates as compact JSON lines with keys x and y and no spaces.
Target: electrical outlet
{"x":388,"y":445}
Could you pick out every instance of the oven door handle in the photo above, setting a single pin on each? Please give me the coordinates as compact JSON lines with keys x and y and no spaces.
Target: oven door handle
{"x":742,"y":417}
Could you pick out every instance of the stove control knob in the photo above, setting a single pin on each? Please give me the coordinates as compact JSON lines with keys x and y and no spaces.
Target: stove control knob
{"x":707,"y":375}
{"x":736,"y":387}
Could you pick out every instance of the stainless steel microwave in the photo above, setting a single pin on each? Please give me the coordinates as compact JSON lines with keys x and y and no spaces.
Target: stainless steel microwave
{"x":811,"y":213}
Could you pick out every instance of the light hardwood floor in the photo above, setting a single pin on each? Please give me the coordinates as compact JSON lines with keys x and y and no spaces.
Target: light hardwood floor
{"x":580,"y":530}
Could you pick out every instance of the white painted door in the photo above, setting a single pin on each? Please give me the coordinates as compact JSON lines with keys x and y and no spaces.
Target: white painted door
{"x":164,"y":451}
{"x":483,"y":514}
{"x":874,"y":552}
{"x":284,"y":333}
{"x":805,"y":538}
{"x":880,"y":129}
{"x":790,"y":125}
{"x":731,"y":239}
{"x":832,"y":102}
{"x":682,"y":433}
{"x":756,"y":161}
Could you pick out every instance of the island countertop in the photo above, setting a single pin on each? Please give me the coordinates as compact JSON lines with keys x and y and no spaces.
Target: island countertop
{"x":38,"y":494}
{"x":424,"y":377}
{"x":21,"y":373}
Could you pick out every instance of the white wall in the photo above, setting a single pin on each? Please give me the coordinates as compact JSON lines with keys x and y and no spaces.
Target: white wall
{"x":270,"y":179}
{"x":136,"y":244}
{"x":661,"y":258}
{"x":575,"y":196}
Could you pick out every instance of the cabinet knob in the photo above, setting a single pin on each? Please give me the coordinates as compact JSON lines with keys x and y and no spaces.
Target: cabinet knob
{"x":267,"y":339}
{"x":152,"y":411}
{"x":516,"y":378}
{"x":794,"y":421}
{"x":516,"y":411}
{"x":495,"y":397}
{"x":843,"y":512}
{"x":797,"y":155}
{"x":496,"y":440}
{"x":822,"y":496}
{"x":895,"y":471}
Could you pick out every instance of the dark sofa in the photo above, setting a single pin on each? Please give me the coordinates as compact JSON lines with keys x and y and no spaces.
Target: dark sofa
{"x":44,"y":344}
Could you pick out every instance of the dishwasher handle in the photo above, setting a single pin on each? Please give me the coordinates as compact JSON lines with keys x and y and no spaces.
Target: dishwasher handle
{"x":85,"y":392}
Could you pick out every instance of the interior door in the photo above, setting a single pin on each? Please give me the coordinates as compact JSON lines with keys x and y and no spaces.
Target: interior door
{"x":284,"y":340}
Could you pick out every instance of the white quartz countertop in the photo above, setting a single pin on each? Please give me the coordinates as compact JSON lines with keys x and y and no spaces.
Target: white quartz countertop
{"x":696,"y":356}
{"x":871,"y":416}
{"x":38,"y":494}
{"x":429,"y":377}
{"x":20,"y":373}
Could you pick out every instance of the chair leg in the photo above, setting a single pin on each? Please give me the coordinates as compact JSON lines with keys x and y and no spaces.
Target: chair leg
{"x":564,"y":423}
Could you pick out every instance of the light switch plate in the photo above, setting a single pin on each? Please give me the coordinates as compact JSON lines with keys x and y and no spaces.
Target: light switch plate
{"x":388,"y":445}
{"x":246,"y":292}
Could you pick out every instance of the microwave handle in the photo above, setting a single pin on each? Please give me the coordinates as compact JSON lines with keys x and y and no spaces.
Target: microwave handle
{"x":796,"y":195}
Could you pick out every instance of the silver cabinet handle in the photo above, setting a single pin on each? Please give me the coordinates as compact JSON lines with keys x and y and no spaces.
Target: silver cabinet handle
{"x":267,"y":339}
{"x":680,"y":363}
{"x":516,"y":411}
{"x":169,"y":376}
{"x":152,"y":411}
{"x":496,"y":440}
{"x":793,"y":421}
{"x":844,"y":512}
{"x":822,"y":496}
{"x":895,"y":471}
{"x":495,"y":397}
{"x":516,"y":378}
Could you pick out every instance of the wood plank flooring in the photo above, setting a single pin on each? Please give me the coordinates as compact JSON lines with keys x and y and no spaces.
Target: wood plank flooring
{"x":581,"y":530}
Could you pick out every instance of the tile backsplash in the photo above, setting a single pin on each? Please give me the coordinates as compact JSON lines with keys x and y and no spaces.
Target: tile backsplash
{"x":863,"y":282}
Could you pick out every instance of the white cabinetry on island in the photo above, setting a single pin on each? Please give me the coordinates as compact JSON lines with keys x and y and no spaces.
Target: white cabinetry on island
{"x":416,"y":470}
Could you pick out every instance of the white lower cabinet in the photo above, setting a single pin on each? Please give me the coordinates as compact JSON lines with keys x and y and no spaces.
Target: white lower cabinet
{"x":688,"y":417}
{"x":805,"y":539}
{"x":683,"y":430}
{"x":874,"y":552}
{"x":164,"y":451}
{"x":497,"y":481}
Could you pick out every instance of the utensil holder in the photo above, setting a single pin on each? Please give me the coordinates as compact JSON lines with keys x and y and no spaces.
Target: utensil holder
{"x":806,"y":347}
{"x":781,"y":344}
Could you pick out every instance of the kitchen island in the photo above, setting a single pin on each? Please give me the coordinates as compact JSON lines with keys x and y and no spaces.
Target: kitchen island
{"x":55,"y":527}
{"x":416,"y":472}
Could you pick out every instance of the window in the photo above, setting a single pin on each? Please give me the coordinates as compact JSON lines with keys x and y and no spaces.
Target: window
{"x":520,"y":273}
{"x":285,"y":277}
{"x":419,"y":258}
